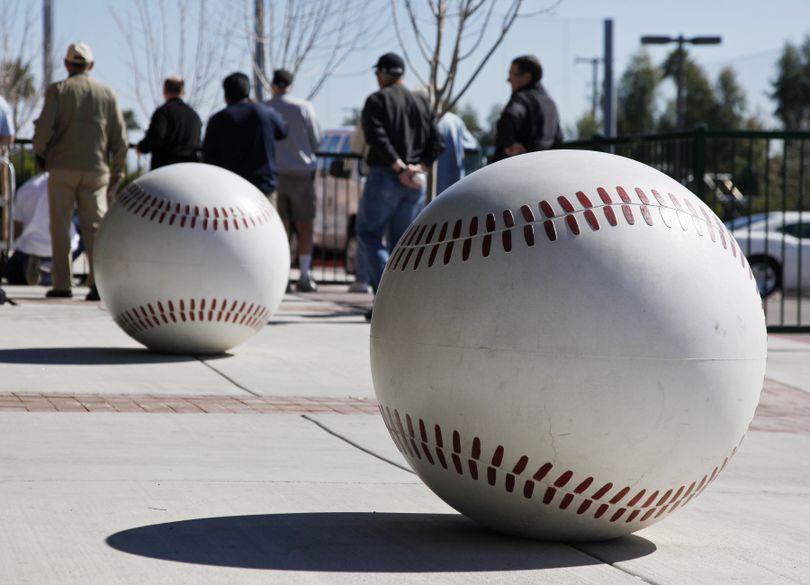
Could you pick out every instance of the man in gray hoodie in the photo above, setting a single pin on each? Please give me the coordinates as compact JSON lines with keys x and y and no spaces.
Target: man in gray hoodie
{"x":295,"y":157}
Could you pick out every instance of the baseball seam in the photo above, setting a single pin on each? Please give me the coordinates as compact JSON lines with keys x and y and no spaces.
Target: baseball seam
{"x":167,"y":312}
{"x":648,"y":504}
{"x":412,"y":245}
{"x":137,"y":201}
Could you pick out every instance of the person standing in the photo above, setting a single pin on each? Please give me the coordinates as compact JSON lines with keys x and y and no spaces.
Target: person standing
{"x":457,"y":142}
{"x":79,"y":129}
{"x":295,"y":156}
{"x":530,"y":121}
{"x":403,"y":141}
{"x":175,"y":129}
{"x":241,"y":137}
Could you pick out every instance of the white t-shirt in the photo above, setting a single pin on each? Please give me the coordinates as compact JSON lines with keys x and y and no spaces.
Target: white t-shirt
{"x":32,"y":209}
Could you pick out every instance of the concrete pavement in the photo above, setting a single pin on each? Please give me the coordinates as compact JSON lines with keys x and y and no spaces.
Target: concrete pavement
{"x":269,"y":465}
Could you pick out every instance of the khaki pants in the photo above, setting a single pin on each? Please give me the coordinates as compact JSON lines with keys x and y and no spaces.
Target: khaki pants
{"x":67,"y":190}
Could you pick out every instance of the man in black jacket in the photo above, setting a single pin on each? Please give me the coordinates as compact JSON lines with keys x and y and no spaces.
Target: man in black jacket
{"x":530,"y":121}
{"x":174,"y":132}
{"x":241,"y":138}
{"x":403,"y":140}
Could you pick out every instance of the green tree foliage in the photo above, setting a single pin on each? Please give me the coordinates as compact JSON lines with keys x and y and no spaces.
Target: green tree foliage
{"x":131,"y":120}
{"x":731,"y":103}
{"x":636,"y":95}
{"x":721,"y":104}
{"x":588,"y":126}
{"x":18,"y":86}
{"x":698,"y":94}
{"x":470,"y":117}
{"x":791,"y":88}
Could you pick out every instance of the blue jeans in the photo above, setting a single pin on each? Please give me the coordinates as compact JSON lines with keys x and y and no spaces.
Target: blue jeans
{"x":387,"y":208}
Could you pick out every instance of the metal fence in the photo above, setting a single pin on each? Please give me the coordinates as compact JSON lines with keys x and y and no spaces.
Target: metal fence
{"x":758,"y":184}
{"x":338,"y":187}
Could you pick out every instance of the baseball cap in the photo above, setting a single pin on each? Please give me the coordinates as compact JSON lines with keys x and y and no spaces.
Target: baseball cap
{"x":390,"y":63}
{"x":282,"y":78}
{"x":79,"y":53}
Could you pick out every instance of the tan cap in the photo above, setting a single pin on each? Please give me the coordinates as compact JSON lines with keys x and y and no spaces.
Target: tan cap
{"x":79,"y":53}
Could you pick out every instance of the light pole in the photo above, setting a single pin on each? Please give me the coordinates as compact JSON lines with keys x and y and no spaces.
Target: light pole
{"x":47,"y":43}
{"x":594,"y":63}
{"x":681,"y":40}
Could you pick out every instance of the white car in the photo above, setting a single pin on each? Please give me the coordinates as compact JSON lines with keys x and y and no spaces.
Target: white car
{"x":777,"y":245}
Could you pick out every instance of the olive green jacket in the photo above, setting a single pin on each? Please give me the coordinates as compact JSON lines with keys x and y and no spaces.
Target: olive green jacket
{"x":81,"y":127}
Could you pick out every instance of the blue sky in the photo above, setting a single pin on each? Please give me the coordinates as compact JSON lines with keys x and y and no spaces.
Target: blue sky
{"x":753,"y":32}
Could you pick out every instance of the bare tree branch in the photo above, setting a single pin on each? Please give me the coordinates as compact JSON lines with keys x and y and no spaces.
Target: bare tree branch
{"x":187,"y":38}
{"x":474,"y":35}
{"x":401,"y":41}
{"x":313,"y":38}
{"x":17,"y":51}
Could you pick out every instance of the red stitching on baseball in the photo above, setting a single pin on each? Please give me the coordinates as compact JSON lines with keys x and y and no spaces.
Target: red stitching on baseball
{"x":590,"y":217}
{"x":465,"y":252}
{"x":583,"y":199}
{"x":686,"y":213}
{"x":546,"y":209}
{"x":565,"y":204}
{"x":142,"y":317}
{"x":571,"y":220}
{"x":138,"y":202}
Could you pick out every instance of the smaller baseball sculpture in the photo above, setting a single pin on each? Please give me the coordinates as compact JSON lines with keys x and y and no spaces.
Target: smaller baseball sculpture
{"x":568,"y":345}
{"x":191,"y":259}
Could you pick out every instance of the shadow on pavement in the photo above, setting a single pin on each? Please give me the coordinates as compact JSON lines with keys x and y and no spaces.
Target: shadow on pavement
{"x":358,"y":542}
{"x":93,"y":356}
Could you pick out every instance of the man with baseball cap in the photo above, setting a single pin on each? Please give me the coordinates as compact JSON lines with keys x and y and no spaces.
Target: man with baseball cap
{"x":79,"y":129}
{"x":403,"y":140}
{"x":295,"y":156}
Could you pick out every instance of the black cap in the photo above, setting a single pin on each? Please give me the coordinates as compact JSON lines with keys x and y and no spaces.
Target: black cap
{"x":282,"y":78}
{"x":391,"y":64}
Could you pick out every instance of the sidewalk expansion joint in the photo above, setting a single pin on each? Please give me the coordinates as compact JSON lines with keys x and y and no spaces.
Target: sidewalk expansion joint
{"x":355,"y":445}
{"x":585,"y":550}
{"x":231,"y":380}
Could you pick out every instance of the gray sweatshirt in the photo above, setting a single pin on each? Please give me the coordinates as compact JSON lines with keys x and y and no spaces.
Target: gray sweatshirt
{"x":296,"y":153}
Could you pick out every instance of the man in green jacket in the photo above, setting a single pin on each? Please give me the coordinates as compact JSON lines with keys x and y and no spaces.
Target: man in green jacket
{"x":80,"y":138}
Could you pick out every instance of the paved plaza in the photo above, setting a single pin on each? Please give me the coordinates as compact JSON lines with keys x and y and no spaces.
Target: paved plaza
{"x":271,"y":464}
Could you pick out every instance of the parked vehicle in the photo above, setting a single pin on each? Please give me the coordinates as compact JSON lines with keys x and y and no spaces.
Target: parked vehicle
{"x":338,"y":186}
{"x":777,"y":245}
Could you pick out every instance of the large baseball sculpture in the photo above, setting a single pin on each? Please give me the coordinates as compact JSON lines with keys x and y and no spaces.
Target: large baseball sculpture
{"x":191,"y":259}
{"x":568,"y":345}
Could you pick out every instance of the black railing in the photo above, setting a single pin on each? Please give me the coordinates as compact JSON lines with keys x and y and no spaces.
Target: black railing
{"x":757,"y":182}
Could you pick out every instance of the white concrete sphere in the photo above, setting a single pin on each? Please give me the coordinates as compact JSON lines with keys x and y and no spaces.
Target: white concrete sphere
{"x":567,"y":345}
{"x":191,"y":258}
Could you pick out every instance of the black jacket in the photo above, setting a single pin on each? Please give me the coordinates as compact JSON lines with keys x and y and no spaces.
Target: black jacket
{"x":531,"y":119}
{"x":173,"y":135}
{"x":400,"y":124}
{"x":241,"y":138}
